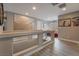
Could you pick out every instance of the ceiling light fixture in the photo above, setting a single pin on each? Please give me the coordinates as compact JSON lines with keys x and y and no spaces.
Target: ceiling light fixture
{"x":26,"y":13}
{"x":64,"y":9}
{"x":63,"y":6}
{"x":34,"y":8}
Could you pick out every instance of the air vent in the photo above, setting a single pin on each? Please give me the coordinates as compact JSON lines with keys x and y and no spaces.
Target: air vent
{"x":62,"y":5}
{"x":54,"y":4}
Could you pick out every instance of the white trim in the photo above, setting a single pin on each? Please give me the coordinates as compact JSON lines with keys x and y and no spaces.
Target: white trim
{"x":77,"y":42}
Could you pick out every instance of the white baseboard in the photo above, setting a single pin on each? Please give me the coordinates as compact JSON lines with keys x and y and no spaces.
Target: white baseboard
{"x":77,"y":42}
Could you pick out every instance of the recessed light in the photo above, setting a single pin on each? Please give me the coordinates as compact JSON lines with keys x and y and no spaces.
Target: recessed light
{"x":64,"y":9}
{"x":34,"y":8}
{"x":26,"y":13}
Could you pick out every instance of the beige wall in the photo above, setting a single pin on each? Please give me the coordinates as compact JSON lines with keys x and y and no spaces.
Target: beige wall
{"x":70,"y":33}
{"x":22,"y":23}
{"x":19,"y":22}
{"x":54,"y":26}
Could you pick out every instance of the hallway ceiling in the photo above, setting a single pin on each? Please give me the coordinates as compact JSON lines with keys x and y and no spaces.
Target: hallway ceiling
{"x":45,"y":11}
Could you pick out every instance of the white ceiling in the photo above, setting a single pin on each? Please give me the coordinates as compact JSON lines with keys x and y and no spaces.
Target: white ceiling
{"x":45,"y":11}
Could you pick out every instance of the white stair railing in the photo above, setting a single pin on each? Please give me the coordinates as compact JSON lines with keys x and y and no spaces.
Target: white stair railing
{"x":23,"y":43}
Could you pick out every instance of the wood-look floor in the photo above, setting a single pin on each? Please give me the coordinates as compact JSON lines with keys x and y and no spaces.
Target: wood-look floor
{"x":59,"y":48}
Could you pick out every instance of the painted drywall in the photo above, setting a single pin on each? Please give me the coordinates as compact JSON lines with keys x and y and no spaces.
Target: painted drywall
{"x":53,"y":26}
{"x":9,"y":22}
{"x":18,"y":22}
{"x":69,"y":33}
{"x":22,"y":23}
